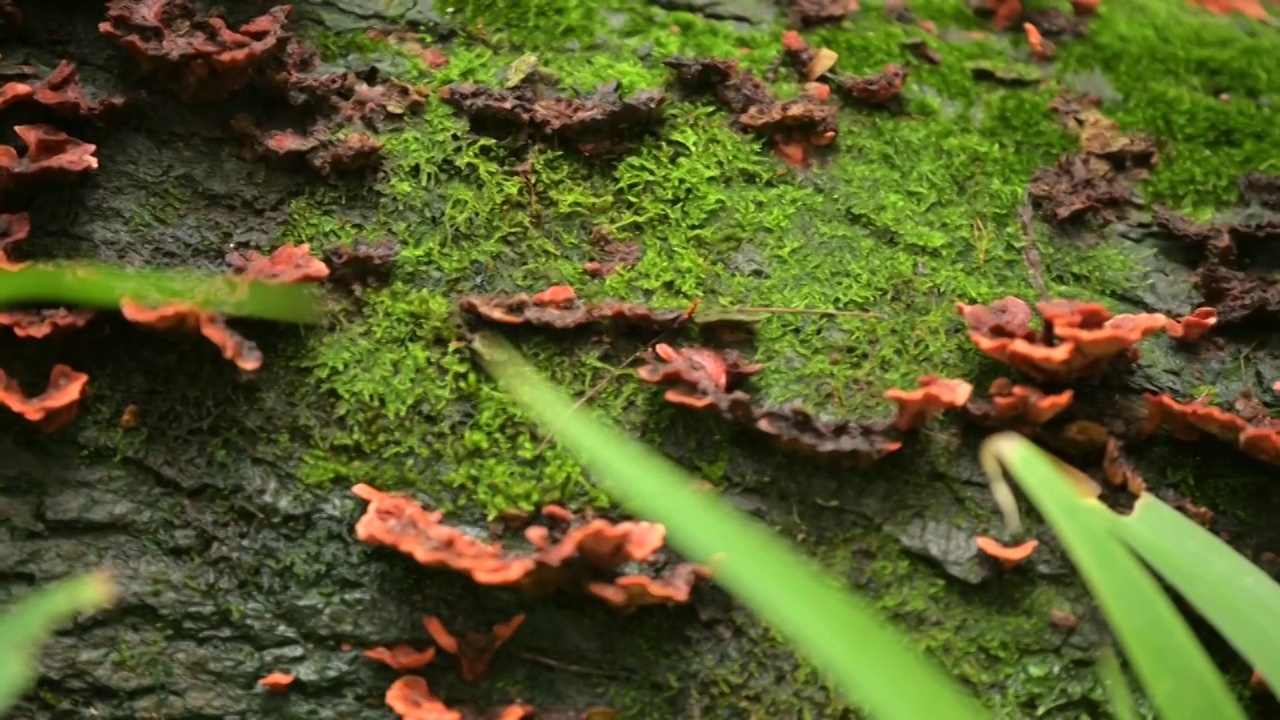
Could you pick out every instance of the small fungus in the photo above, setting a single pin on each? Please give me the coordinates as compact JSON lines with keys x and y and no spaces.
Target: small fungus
{"x":286,"y":264}
{"x":363,"y":262}
{"x":1119,"y":470}
{"x":1041,"y":49}
{"x":1009,"y":557}
{"x":1252,"y":9}
{"x":931,"y":398}
{"x":51,"y":155}
{"x":522,"y":309}
{"x":474,"y":650}
{"x":1251,"y":428}
{"x":813,"y":12}
{"x":874,"y":90}
{"x":52,"y":409}
{"x":14,"y":228}
{"x":410,"y":697}
{"x":1194,"y":327}
{"x":402,"y":658}
{"x":633,"y":591}
{"x":61,"y":92}
{"x":1063,"y":620}
{"x":277,"y":682}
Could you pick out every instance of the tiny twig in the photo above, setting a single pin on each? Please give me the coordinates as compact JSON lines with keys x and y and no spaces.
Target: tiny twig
{"x":1031,"y":253}
{"x":799,"y":311}
{"x":557,"y":665}
{"x":598,"y":388}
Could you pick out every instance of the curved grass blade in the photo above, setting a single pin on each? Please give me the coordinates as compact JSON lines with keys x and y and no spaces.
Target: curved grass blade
{"x":103,"y":286}
{"x":1174,"y":668}
{"x":843,"y":636}
{"x":25,"y":626}
{"x":1114,"y":683}
{"x":1240,"y":600}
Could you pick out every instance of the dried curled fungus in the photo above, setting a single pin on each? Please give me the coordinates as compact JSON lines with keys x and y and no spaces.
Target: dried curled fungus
{"x":813,"y":12}
{"x":233,"y":346}
{"x":14,"y":228}
{"x":706,"y":379}
{"x":1250,"y":428}
{"x":363,"y":262}
{"x":564,"y":550}
{"x":52,"y":409}
{"x":474,"y":650}
{"x":1077,"y":341}
{"x":1017,"y":407}
{"x":318,"y":149}
{"x":800,"y":123}
{"x":560,"y":309}
{"x":603,"y":124}
{"x":51,"y":155}
{"x":61,"y":92}
{"x":402,"y":658}
{"x":201,"y":57}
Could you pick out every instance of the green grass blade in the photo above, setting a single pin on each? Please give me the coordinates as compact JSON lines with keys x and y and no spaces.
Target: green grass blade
{"x":1116,"y":685}
{"x":103,"y":286}
{"x":844,"y":637}
{"x":1240,"y":600}
{"x":25,"y":626}
{"x":1174,"y":668}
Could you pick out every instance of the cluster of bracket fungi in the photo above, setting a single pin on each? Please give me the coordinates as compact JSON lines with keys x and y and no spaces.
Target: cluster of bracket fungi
{"x":198,"y":59}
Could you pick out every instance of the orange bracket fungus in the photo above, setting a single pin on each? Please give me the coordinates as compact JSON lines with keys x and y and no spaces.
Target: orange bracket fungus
{"x":233,"y":346}
{"x":52,"y":409}
{"x":1252,"y":430}
{"x":43,"y":323}
{"x":14,"y":228}
{"x":287,"y":264}
{"x":1077,"y":340}
{"x":1009,"y":557}
{"x":564,"y":550}
{"x":50,"y":155}
{"x":410,"y":697}
{"x":402,"y":658}
{"x":474,"y":650}
{"x":277,"y":682}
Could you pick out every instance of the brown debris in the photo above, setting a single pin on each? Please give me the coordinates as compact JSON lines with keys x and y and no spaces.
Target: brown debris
{"x":61,"y":92}
{"x":602,"y":125}
{"x":43,"y":323}
{"x":1078,"y":341}
{"x":286,"y":264}
{"x":524,"y":309}
{"x":612,"y":254}
{"x":363,"y":262}
{"x":920,"y":48}
{"x":1261,"y":189}
{"x":202,"y":58}
{"x":1251,"y":428}
{"x":52,"y":409}
{"x":51,"y":155}
{"x":813,"y":12}
{"x":793,"y":126}
{"x":565,"y":550}
{"x":1119,"y":470}
{"x":234,"y":346}
{"x":1228,"y":243}
{"x":1017,"y":407}
{"x":1096,"y":183}
{"x":474,"y":650}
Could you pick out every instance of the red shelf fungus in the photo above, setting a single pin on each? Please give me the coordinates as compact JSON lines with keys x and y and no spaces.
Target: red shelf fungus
{"x":565,"y":550}
{"x":51,"y":155}
{"x":286,"y":264}
{"x":474,"y":650}
{"x":1253,"y":430}
{"x":933,"y":397}
{"x":410,"y":697}
{"x":633,"y":591}
{"x":1009,"y":557}
{"x":233,"y":346}
{"x":61,"y":92}
{"x":1019,"y":407}
{"x":556,"y":312}
{"x":43,"y":323}
{"x":277,"y":682}
{"x":1119,"y":470}
{"x":14,"y":229}
{"x":402,"y":658}
{"x":52,"y":409}
{"x":1078,"y":340}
